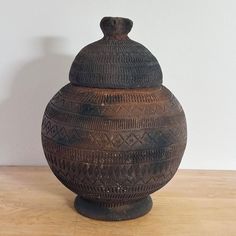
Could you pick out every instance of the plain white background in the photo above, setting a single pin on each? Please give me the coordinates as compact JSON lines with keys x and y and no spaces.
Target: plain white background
{"x":194,"y":41}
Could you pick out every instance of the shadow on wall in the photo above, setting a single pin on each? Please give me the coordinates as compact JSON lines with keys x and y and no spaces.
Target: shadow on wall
{"x":33,"y":85}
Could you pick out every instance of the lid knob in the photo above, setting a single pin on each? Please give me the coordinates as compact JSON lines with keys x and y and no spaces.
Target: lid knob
{"x":116,"y":27}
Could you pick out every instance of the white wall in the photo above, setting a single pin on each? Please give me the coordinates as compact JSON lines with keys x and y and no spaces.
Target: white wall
{"x":194,"y":41}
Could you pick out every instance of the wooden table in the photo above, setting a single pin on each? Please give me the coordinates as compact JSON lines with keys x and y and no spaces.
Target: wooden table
{"x":33,"y":202}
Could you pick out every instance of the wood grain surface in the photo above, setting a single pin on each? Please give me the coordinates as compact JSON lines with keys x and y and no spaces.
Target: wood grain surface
{"x":33,"y":202}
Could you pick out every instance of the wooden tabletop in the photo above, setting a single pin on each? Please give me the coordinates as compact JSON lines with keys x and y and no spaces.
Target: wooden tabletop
{"x":33,"y":202}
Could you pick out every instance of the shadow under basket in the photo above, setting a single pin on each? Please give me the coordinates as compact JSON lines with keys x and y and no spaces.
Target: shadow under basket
{"x":104,"y":211}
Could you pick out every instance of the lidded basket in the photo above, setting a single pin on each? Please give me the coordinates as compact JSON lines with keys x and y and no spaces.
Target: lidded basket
{"x":114,"y":134}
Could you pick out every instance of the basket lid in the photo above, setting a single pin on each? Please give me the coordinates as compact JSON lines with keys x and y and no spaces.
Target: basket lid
{"x":115,"y":61}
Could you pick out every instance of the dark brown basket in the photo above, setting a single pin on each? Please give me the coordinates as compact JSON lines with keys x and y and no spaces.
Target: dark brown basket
{"x":114,"y":134}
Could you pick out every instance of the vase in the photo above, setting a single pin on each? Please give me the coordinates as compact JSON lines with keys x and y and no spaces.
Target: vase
{"x":114,"y":134}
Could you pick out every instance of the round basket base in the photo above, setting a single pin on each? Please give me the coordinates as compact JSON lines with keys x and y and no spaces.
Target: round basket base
{"x":98,"y":211}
